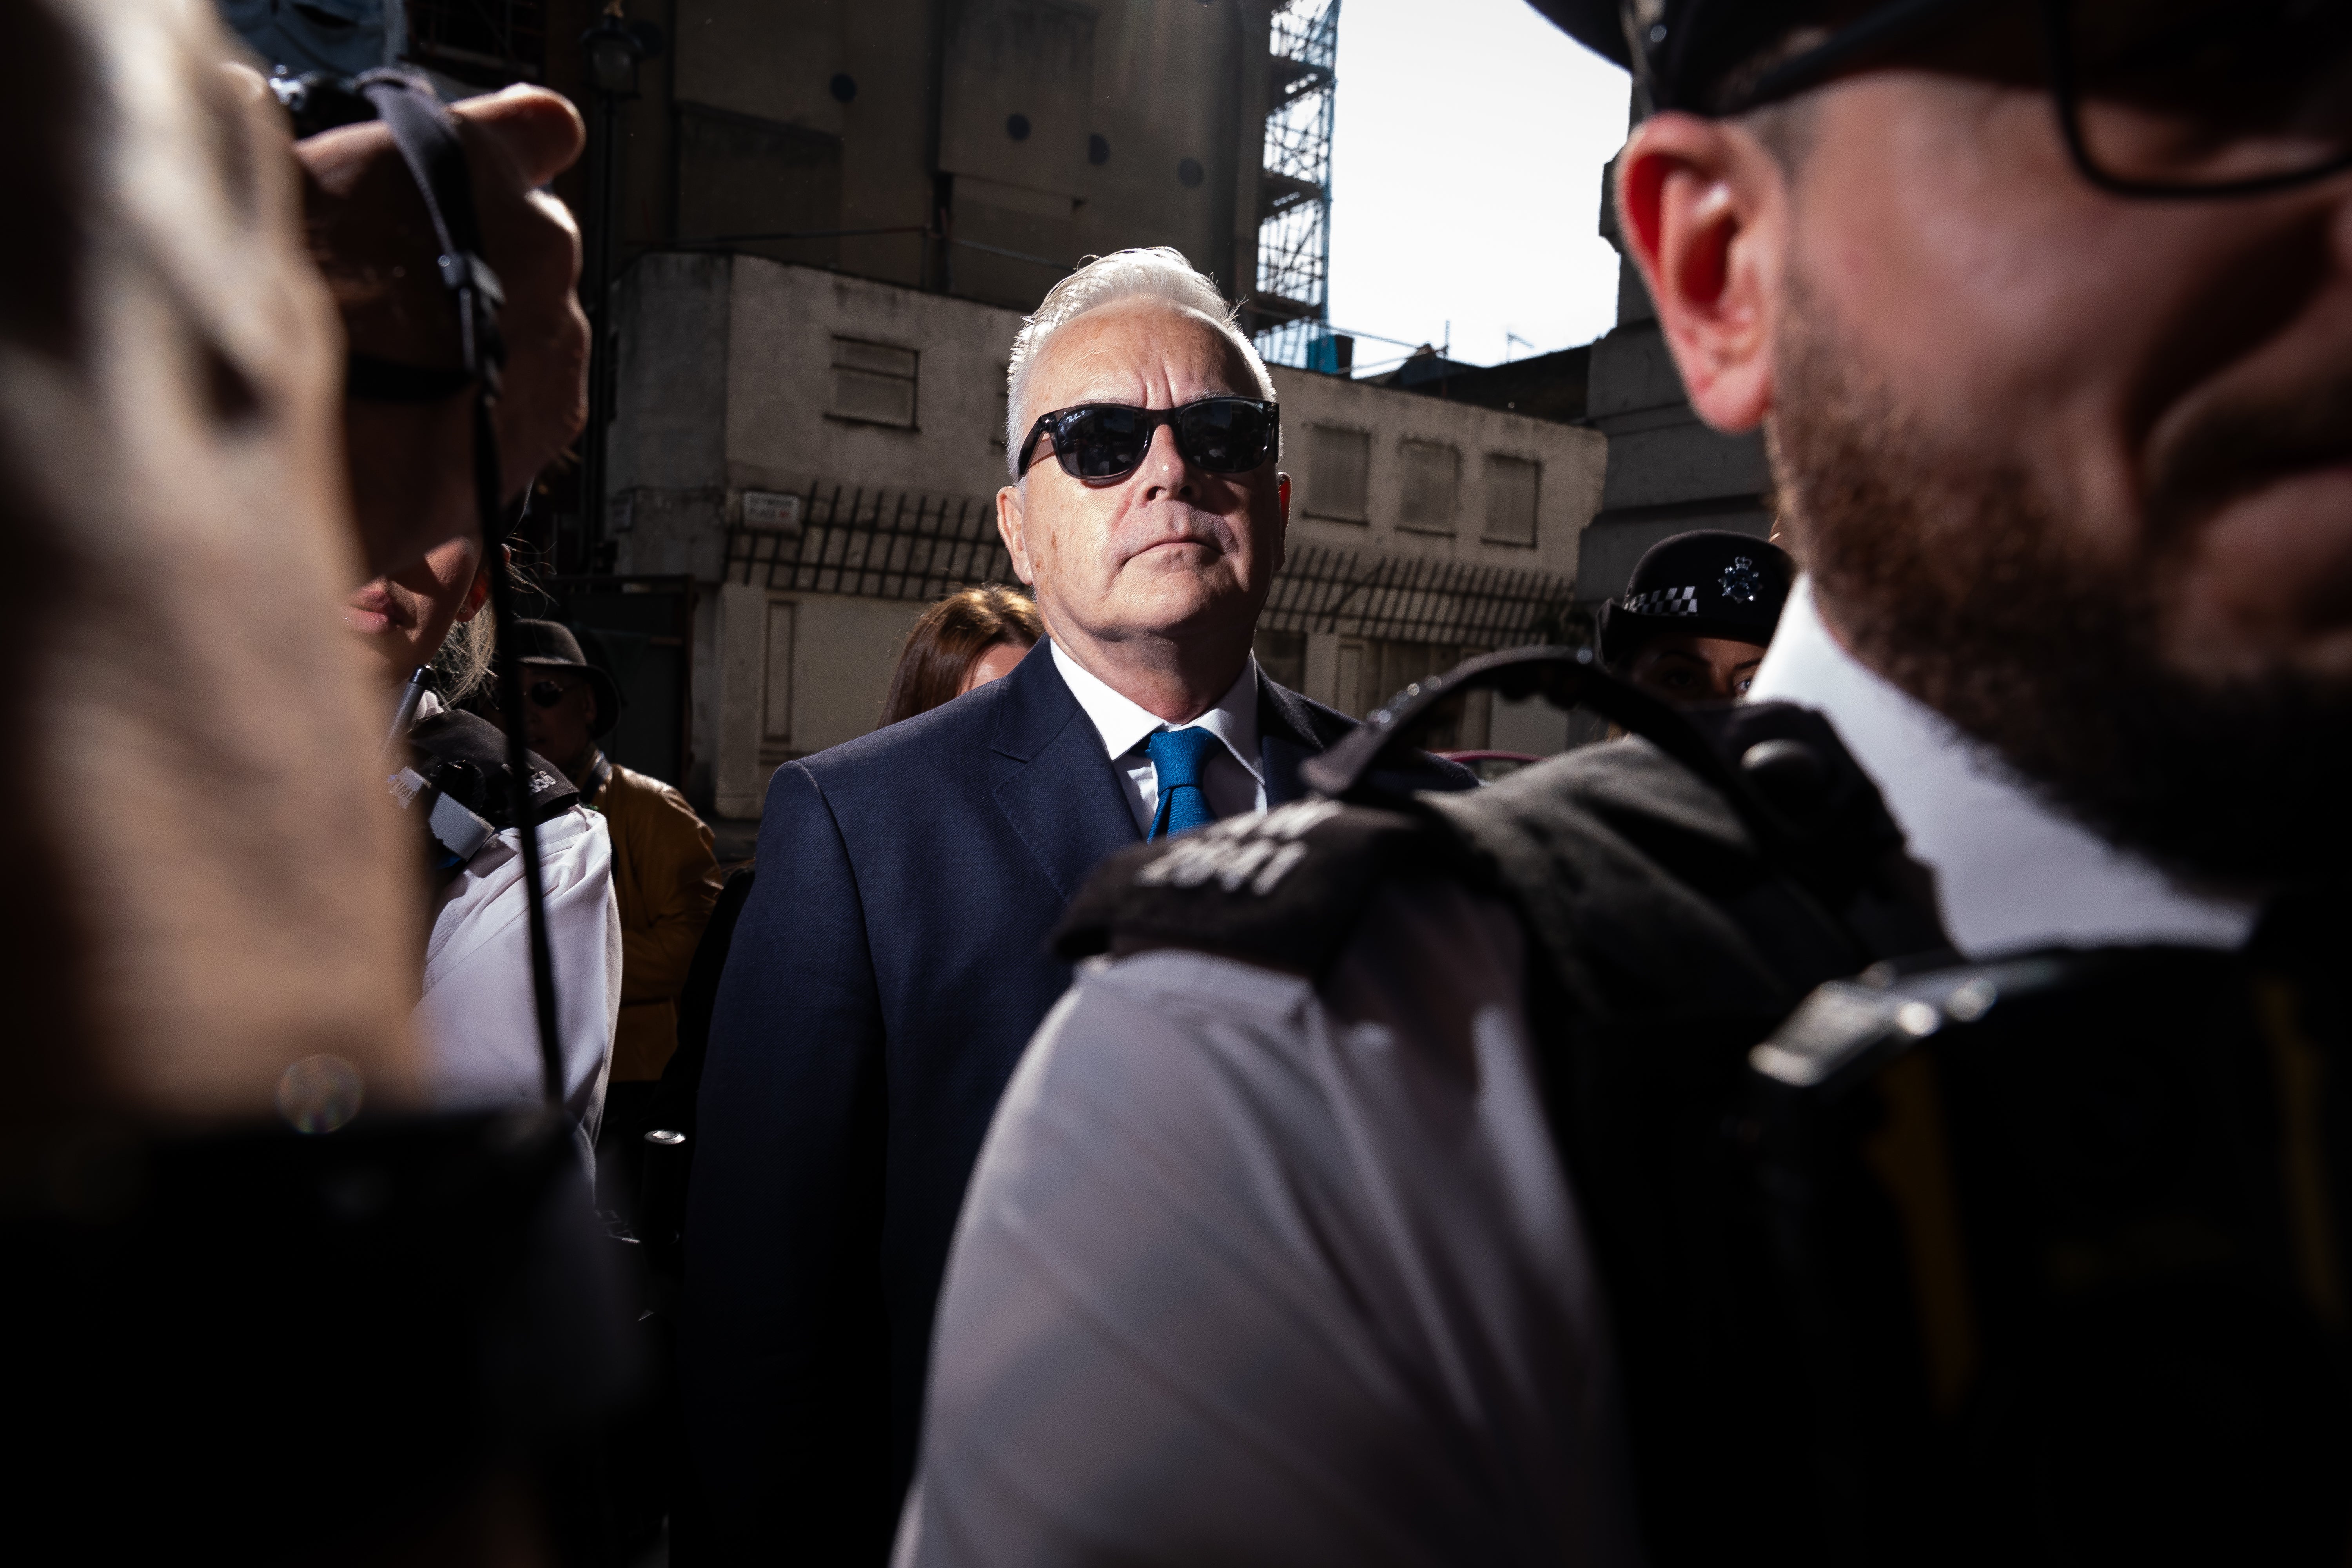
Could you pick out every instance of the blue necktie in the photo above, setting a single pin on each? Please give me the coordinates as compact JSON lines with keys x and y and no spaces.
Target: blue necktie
{"x":1177,"y":756}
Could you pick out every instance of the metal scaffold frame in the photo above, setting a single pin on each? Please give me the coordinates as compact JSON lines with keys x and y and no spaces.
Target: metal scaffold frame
{"x":1293,"y":236}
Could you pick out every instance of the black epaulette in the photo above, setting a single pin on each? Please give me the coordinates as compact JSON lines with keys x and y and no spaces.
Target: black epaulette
{"x":1282,"y":888}
{"x":457,"y":785}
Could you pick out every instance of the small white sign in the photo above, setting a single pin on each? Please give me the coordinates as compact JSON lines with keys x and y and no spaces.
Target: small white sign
{"x":767,"y":508}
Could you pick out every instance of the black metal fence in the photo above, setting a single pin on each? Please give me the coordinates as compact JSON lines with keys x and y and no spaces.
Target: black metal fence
{"x":874,"y":544}
{"x":1414,"y":598}
{"x":886,"y":544}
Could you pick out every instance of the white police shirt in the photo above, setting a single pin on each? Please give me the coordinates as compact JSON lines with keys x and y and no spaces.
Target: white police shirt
{"x":2011,"y":871}
{"x":1255,"y":1269}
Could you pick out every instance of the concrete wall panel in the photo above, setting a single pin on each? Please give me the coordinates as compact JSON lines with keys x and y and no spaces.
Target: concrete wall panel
{"x":781,"y":431}
{"x":1683,"y":462}
{"x":774,"y":61}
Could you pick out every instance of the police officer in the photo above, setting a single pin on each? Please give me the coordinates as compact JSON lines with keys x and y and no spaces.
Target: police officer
{"x":1697,"y":615}
{"x":1323,"y":1220}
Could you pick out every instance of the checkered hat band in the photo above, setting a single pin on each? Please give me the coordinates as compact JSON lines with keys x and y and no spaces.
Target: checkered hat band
{"x":1664,"y":602}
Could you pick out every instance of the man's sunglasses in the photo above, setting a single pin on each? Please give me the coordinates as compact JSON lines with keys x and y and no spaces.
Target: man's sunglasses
{"x":1100,"y":442}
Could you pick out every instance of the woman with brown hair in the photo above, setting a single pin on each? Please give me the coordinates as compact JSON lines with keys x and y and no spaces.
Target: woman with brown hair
{"x":971,"y":637}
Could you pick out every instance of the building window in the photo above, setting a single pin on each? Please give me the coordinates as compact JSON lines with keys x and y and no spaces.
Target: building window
{"x":874,"y":383}
{"x":1511,"y":484}
{"x":1338,"y":462}
{"x":776,"y":689}
{"x":1430,"y":475}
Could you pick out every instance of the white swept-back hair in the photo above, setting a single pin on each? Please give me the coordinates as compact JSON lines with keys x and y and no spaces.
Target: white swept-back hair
{"x":1160,"y":272}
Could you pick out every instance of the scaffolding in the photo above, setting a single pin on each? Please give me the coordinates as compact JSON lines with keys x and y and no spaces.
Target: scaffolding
{"x":1293,"y":307}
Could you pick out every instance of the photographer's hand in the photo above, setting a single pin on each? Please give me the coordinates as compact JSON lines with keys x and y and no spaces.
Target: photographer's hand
{"x":410,"y":463}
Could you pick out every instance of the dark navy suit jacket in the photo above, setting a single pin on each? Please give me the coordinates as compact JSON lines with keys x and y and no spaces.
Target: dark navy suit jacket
{"x":887,"y":973}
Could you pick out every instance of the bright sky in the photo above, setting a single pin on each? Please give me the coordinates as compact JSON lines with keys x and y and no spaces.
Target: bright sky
{"x":1466,"y":179}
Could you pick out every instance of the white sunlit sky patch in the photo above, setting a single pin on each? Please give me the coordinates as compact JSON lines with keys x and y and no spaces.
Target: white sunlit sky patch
{"x":1465,"y":170}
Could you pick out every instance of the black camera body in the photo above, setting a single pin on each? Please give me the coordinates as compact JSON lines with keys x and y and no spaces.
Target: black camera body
{"x":320,"y":101}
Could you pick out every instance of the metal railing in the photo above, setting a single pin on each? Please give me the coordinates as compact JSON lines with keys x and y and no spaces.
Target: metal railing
{"x":873,"y":544}
{"x":906,"y":545}
{"x":1414,"y":598}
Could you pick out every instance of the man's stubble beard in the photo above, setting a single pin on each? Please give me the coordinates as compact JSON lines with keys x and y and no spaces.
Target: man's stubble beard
{"x":1954,"y":574}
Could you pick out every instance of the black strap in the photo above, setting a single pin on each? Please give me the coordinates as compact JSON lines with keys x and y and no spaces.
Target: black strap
{"x":367,"y":379}
{"x":426,"y":134}
{"x":1567,"y":678}
{"x":600,"y":774}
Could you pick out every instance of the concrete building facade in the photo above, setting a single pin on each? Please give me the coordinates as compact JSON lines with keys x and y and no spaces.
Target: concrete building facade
{"x":819,"y":454}
{"x":974,"y":147}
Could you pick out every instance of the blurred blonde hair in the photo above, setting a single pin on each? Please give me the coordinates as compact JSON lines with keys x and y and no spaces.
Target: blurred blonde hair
{"x":464,"y":661}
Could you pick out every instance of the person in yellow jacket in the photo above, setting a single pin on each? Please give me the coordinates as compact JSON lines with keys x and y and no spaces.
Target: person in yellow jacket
{"x":665,"y":877}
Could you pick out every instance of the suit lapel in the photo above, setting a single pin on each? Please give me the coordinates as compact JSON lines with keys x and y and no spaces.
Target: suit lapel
{"x":1061,"y":796}
{"x":1285,"y":738}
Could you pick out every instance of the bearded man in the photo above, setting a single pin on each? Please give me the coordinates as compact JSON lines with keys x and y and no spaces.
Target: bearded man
{"x":1308,"y":1229}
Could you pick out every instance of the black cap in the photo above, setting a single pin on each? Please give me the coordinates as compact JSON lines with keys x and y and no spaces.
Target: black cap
{"x":1711,"y":583}
{"x":552,"y":642}
{"x":1676,"y":49}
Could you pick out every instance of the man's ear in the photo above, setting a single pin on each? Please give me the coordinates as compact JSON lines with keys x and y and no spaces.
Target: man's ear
{"x":1012,"y":526}
{"x":1703,"y":208}
{"x":1282,"y":546}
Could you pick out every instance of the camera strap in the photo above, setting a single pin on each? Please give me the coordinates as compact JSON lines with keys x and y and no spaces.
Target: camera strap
{"x":427,"y":136}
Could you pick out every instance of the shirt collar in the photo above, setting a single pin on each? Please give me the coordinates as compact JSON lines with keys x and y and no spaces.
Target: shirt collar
{"x":1123,"y":723}
{"x":2011,"y":871}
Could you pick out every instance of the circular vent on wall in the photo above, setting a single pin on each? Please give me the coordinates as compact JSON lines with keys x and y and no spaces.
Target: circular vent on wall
{"x":1017,"y":127}
{"x":1189,"y":174}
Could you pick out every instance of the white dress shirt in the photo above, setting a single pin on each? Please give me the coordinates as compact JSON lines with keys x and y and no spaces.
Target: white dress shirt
{"x":1233,"y":778}
{"x":2011,"y":871}
{"x":475,"y":1018}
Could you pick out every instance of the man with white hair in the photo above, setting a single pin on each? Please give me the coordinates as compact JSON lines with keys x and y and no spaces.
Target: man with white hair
{"x":892,"y":960}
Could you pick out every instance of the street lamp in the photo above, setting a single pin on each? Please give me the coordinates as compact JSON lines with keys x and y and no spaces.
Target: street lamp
{"x":615,"y":47}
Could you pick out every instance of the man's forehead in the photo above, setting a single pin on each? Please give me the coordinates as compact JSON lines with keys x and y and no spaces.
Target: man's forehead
{"x":1122,"y":350}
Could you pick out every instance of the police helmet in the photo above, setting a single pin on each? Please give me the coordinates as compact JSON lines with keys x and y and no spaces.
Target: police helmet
{"x":1708,"y":582}
{"x":1678,"y":50}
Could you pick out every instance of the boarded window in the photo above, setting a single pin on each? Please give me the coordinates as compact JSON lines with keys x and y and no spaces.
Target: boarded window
{"x":1337,"y":463}
{"x":874,"y":383}
{"x":1427,"y":486}
{"x":1511,"y":498}
{"x":1374,"y":669}
{"x":776,"y":696}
